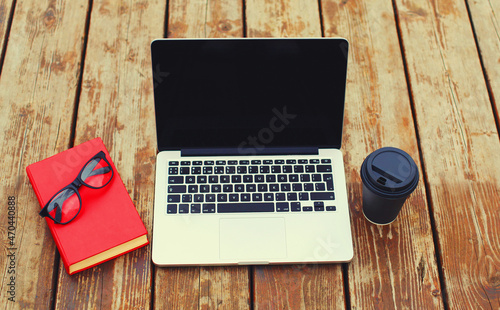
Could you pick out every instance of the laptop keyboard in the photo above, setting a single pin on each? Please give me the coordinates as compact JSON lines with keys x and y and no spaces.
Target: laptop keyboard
{"x":240,"y":186}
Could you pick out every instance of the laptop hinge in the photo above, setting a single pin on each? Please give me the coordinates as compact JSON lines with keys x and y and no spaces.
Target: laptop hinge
{"x":251,"y":151}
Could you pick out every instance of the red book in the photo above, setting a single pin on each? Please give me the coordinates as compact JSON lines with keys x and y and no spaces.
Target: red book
{"x":108,"y":224}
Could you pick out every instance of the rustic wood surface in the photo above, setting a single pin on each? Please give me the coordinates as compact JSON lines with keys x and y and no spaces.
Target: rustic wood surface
{"x":423,"y":76}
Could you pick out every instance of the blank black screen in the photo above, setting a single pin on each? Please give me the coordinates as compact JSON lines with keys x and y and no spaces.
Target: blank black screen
{"x":249,"y":93}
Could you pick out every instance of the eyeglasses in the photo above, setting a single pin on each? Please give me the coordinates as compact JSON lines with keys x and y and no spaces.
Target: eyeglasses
{"x":66,"y":204}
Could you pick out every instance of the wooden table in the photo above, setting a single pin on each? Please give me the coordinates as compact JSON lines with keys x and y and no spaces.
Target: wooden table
{"x":423,"y":76}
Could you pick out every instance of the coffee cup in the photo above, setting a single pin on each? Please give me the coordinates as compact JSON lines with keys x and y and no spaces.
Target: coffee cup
{"x":389,"y":176}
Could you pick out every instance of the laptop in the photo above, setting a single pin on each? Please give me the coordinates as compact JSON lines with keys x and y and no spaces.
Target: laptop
{"x":249,"y":169}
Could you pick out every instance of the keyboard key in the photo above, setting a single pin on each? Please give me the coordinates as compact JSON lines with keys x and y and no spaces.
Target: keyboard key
{"x":244,"y":162}
{"x":257,"y":197}
{"x":201,"y":179}
{"x":232,"y":162}
{"x":291,"y":161}
{"x":295,"y":206}
{"x":298,"y":169}
{"x":327,"y":177}
{"x":275,"y":169}
{"x":319,"y":206}
{"x":291,"y":196}
{"x":173,"y":163}
{"x":208,"y":170}
{"x":234,"y":197}
{"x":259,"y":178}
{"x":307,"y":209}
{"x":222,"y":197}
{"x":282,"y":207}
{"x":262,"y":187}
{"x":192,"y":188}
{"x":195,"y":208}
{"x":176,"y":188}
{"x":265,"y":169}
{"x":316,"y":177}
{"x":216,"y":188}
{"x":245,"y":207}
{"x":219,"y":170}
{"x":213,"y":179}
{"x":239,"y":188}
{"x":230,"y":169}
{"x":326,"y":161}
{"x":183,"y":208}
{"x":197,"y":162}
{"x":220,"y":162}
{"x":309,"y":187}
{"x":305,"y":178}
{"x":187,"y":198}
{"x":310,"y":168}
{"x":323,"y":168}
{"x":247,"y":178}
{"x":329,"y":185}
{"x":245,"y":197}
{"x":293,"y":178}
{"x":204,"y":188}
{"x":190,"y":179}
{"x":323,"y":196}
{"x":236,"y":178}
{"x":173,"y":198}
{"x":302,"y":161}
{"x":228,"y":188}
{"x":173,"y":170}
{"x":279,"y":161}
{"x":184,"y":170}
{"x":224,"y":179}
{"x":314,"y":161}
{"x":209,"y":208}
{"x":287,"y":169}
{"x":198,"y":198}
{"x":274,"y":187}
{"x":319,"y":186}
{"x":241,"y":169}
{"x":253,"y":169}
{"x":210,"y":197}
{"x":171,"y":208}
{"x":196,"y":170}
{"x":303,"y":196}
{"x":209,"y":162}
{"x":270,"y":178}
{"x":256,"y":162}
{"x":268,"y":197}
{"x":282,"y":178}
{"x":251,"y":188}
{"x":280,"y":196}
{"x":296,"y":187}
{"x":185,"y":163}
{"x":268,"y":162}
{"x":286,"y":187}
{"x":331,"y":208}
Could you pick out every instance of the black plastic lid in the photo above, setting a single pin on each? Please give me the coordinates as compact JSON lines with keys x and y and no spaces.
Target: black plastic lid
{"x":390,"y":172}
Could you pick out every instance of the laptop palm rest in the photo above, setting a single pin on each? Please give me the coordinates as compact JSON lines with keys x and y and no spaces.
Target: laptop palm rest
{"x":251,"y":239}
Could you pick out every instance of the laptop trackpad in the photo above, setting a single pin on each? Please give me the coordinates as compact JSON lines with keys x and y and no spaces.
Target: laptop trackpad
{"x":247,"y":239}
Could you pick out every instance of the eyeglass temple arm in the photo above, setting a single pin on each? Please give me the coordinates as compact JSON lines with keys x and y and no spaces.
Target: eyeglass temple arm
{"x":89,"y":169}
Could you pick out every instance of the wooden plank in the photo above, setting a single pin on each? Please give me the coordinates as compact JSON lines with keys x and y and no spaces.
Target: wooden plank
{"x":460,"y":146}
{"x":394,"y":266}
{"x":5,"y":21}
{"x":487,"y":30}
{"x":116,"y":103}
{"x":314,"y":286}
{"x":203,"y":287}
{"x":37,"y":96}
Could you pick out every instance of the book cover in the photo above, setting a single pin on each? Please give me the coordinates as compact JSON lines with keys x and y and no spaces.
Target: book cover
{"x":108,"y":224}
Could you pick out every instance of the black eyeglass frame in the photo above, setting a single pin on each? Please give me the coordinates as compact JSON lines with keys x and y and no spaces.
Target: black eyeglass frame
{"x":75,"y":185}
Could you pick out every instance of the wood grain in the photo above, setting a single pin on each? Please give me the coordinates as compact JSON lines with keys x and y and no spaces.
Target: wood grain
{"x":116,"y":104}
{"x":394,"y":266}
{"x":296,"y":287}
{"x":460,"y":146}
{"x":203,"y":287}
{"x":486,"y":23}
{"x":37,"y":96}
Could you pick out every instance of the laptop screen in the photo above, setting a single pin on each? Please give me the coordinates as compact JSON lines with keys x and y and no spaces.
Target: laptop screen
{"x":249,"y":94}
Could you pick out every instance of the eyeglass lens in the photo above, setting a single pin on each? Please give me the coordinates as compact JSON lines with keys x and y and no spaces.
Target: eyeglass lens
{"x":65,"y":206}
{"x":96,"y":173}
